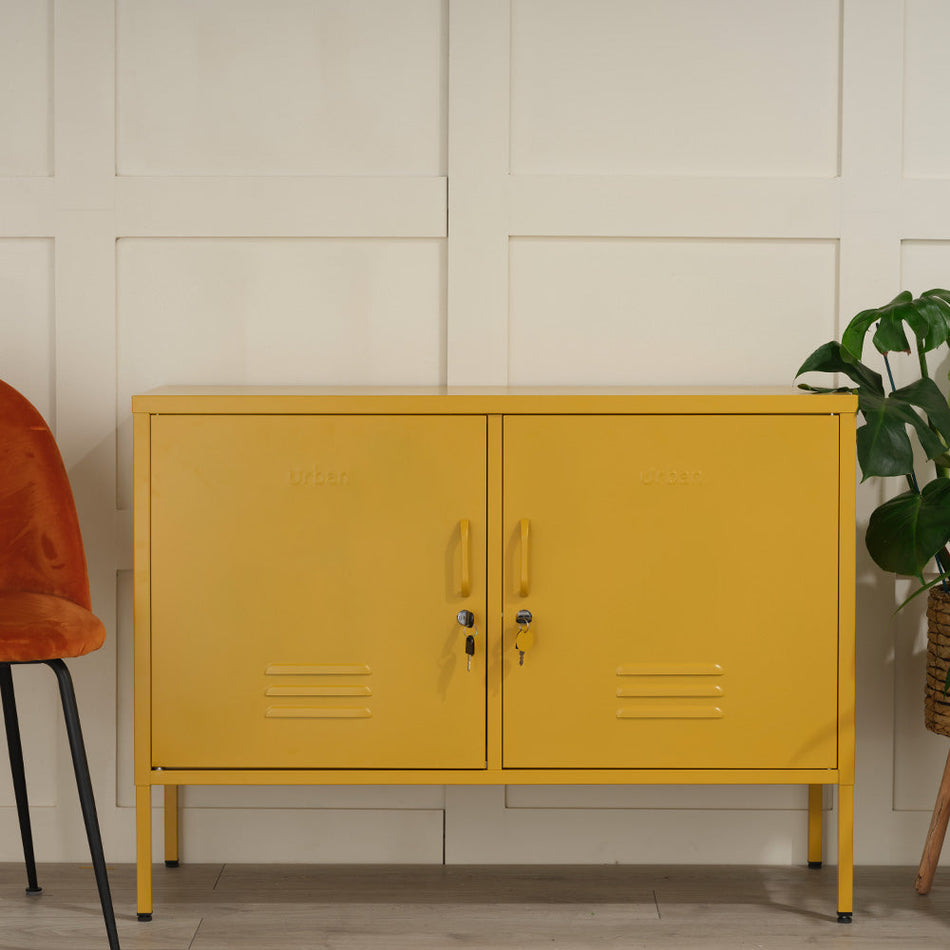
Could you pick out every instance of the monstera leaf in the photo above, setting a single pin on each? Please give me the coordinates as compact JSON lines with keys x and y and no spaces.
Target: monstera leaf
{"x":928,"y":317}
{"x":884,"y":447}
{"x":832,"y":357}
{"x":907,"y":531}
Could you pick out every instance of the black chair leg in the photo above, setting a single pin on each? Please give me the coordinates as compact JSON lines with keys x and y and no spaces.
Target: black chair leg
{"x":15,"y":748}
{"x":86,"y":800}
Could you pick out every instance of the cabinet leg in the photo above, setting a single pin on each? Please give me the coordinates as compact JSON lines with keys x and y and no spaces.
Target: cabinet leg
{"x":143,"y":851}
{"x":935,"y":835}
{"x":815,"y":802}
{"x":845,"y":853}
{"x":171,"y":826}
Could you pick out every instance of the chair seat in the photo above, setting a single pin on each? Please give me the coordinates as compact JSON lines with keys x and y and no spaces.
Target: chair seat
{"x":44,"y":627}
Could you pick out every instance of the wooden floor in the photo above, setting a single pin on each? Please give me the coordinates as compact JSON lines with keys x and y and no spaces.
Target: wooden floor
{"x":292,"y":907}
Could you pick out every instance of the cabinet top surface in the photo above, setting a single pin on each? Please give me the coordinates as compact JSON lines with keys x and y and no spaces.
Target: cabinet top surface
{"x":481,"y":400}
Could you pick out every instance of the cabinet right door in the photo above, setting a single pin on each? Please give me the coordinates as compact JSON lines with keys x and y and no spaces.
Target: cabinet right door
{"x":682,"y":578}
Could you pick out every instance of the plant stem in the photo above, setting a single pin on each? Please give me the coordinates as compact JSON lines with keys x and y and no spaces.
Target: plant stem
{"x":890,"y":375}
{"x":922,"y":360}
{"x":911,"y":475}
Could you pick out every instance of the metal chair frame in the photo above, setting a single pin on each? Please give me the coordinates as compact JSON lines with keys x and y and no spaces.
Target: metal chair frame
{"x":83,"y":783}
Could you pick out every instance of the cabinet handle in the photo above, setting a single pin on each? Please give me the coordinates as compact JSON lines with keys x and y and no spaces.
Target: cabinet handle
{"x":524,"y":557}
{"x":465,"y":546}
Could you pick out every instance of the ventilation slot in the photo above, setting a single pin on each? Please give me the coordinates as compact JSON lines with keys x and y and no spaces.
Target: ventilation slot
{"x":328,"y":686}
{"x":670,"y":691}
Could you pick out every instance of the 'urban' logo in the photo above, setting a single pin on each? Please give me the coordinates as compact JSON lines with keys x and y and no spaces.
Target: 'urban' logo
{"x":317,"y":478}
{"x":671,"y":476}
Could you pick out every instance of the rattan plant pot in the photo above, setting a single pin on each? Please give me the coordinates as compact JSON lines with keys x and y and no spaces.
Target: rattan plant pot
{"x":936,"y":701}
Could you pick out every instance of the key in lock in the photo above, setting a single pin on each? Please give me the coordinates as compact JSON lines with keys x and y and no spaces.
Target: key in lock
{"x":466,"y":619}
{"x":524,"y":639}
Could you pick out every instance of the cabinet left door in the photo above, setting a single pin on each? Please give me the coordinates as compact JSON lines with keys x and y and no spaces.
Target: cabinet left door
{"x":306,"y":572}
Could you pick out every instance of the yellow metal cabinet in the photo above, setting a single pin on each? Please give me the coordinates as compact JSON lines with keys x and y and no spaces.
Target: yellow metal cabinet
{"x":660,"y":587}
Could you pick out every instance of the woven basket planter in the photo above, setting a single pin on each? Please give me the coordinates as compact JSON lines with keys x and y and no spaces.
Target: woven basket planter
{"x":936,"y":701}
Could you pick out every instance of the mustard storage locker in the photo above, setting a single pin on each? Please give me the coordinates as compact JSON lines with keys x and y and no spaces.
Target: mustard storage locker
{"x":494,"y":586}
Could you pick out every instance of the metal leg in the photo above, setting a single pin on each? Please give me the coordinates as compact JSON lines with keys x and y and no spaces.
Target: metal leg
{"x":86,"y":800}
{"x":845,"y":853}
{"x":15,"y":749}
{"x":171,"y":826}
{"x":814,"y":825}
{"x":143,"y":851}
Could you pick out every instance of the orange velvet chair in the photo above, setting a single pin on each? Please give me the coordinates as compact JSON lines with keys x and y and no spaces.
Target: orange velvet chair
{"x":45,"y":610}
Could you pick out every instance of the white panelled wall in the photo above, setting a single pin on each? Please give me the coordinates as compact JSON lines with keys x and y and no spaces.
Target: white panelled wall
{"x":465,"y":192}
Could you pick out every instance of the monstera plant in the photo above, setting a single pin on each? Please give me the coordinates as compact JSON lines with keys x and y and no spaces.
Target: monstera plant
{"x":911,"y":530}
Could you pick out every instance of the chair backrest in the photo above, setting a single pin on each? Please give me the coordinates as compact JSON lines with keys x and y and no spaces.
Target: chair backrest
{"x":41,"y":548}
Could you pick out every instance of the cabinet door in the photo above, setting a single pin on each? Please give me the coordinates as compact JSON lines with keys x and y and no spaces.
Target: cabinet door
{"x":682,"y":575}
{"x":306,"y":574}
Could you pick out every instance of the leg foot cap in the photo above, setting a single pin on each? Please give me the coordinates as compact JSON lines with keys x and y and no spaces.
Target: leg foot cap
{"x":144,"y":917}
{"x":844,"y":917}
{"x":814,"y":865}
{"x":33,"y":891}
{"x":171,"y":864}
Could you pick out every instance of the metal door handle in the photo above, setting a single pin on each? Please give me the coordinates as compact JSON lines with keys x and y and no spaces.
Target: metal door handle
{"x":465,"y":545}
{"x":524,"y":556}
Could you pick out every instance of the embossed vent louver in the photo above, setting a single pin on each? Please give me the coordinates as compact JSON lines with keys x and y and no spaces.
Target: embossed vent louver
{"x":322,"y":691}
{"x":670,"y":691}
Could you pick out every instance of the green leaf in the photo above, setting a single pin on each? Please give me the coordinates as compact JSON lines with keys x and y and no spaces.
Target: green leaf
{"x":936,"y":312}
{"x":889,"y":337}
{"x":928,"y":317}
{"x":939,"y":316}
{"x":853,"y":337}
{"x":883,"y":445}
{"x":907,"y":531}
{"x":824,"y":390}
{"x":925,"y":394}
{"x":902,"y":413}
{"x":889,"y":333}
{"x":832,"y":357}
{"x":923,"y":590}
{"x":940,"y":295}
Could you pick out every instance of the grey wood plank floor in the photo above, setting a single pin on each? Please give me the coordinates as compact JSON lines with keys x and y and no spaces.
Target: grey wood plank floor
{"x":319,"y":907}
